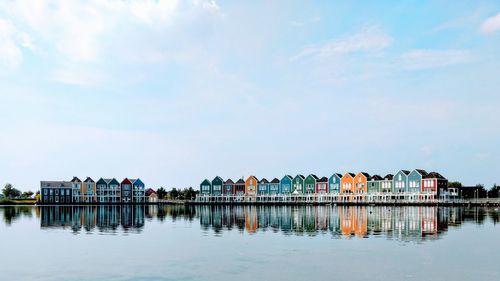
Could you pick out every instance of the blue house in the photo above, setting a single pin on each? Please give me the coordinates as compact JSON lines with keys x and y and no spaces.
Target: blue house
{"x":274,"y":186}
{"x":400,"y":181}
{"x":415,"y":180}
{"x":217,"y":184}
{"x":205,"y":187}
{"x":138,"y":191}
{"x":334,"y":183}
{"x":263,"y":186}
{"x":286,"y":185}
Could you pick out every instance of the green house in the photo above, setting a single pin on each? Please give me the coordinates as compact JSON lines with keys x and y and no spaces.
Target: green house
{"x":298,"y":184}
{"x":373,"y":183}
{"x":310,"y":184}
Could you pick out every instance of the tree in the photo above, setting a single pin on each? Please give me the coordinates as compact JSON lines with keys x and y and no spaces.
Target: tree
{"x":27,"y":194}
{"x":10,"y":192}
{"x":494,"y":192}
{"x":455,"y":184}
{"x":161,"y":192}
{"x":174,"y":193}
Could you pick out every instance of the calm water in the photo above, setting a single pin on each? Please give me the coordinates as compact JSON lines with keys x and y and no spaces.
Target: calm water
{"x":249,"y":243}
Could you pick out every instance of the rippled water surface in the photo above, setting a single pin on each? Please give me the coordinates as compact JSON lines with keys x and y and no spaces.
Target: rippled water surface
{"x":249,"y":243}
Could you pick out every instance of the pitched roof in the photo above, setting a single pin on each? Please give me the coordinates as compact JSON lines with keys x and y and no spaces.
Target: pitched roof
{"x":229,"y":181}
{"x":314,"y":176}
{"x":108,"y":180}
{"x":365,"y":174}
{"x":351,"y":174}
{"x":389,"y":177}
{"x":240,"y":181}
{"x":149,"y":191}
{"x":218,"y":178}
{"x":422,"y":172}
{"x":88,"y":179}
{"x":337,"y":174}
{"x":263,"y":180}
{"x":434,"y":175}
{"x":406,"y":172}
{"x":376,"y":178}
{"x":75,"y":179}
{"x":275,"y":180}
{"x":323,"y":179}
{"x":300,"y":176}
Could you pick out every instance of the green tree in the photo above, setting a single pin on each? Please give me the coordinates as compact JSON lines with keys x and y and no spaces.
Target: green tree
{"x":494,"y":192}
{"x":174,"y":193}
{"x":10,"y":192}
{"x":161,"y":192}
{"x":455,"y":184}
{"x":27,"y":194}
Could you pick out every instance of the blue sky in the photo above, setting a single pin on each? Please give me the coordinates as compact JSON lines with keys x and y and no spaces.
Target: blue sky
{"x":177,"y":91}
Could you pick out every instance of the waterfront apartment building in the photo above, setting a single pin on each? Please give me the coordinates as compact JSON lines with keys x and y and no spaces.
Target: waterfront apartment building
{"x":413,"y":186}
{"x":56,"y":192}
{"x":105,"y":190}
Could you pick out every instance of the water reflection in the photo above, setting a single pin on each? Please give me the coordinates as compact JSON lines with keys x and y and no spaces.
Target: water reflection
{"x":398,"y":223}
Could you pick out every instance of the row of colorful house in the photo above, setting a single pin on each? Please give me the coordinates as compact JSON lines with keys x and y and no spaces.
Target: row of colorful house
{"x":108,"y":190}
{"x":414,"y":182}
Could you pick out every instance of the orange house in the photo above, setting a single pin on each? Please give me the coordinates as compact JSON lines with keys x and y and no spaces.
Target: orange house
{"x":360,"y":181}
{"x":251,"y":186}
{"x":347,"y":183}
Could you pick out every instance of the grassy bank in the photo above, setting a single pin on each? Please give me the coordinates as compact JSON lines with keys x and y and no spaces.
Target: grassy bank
{"x":7,"y":201}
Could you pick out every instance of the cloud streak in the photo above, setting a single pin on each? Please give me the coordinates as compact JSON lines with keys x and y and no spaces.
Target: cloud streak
{"x":491,"y":24}
{"x":370,"y":39}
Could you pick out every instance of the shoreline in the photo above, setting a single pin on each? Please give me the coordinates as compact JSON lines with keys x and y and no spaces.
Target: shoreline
{"x":192,"y":203}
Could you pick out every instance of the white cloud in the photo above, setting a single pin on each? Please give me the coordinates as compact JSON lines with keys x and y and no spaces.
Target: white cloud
{"x":370,"y":39}
{"x":491,"y":24}
{"x":423,"y":58}
{"x":12,"y":41}
{"x":82,"y":30}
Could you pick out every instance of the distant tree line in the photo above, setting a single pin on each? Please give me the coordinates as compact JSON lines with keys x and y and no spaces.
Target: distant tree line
{"x":9,"y":192}
{"x":477,"y":191}
{"x":177,"y":194}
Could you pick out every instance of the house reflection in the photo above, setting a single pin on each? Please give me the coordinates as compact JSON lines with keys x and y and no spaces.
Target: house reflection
{"x":398,"y":223}
{"x":106,"y":219}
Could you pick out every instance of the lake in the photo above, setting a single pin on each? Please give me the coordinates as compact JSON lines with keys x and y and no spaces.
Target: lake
{"x":249,"y":243}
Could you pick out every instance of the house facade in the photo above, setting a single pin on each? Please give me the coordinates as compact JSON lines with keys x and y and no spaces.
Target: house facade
{"x":56,"y":192}
{"x":217,"y":184}
{"x":310,"y":184}
{"x":76,"y":186}
{"x":334,"y":183}
{"x":400,"y":182}
{"x":239,"y":187}
{"x":206,"y":187}
{"x":126,"y":191}
{"x":228,"y":188}
{"x":263,"y":186}
{"x":138,"y":191}
{"x":286,"y":185}
{"x":360,"y":181}
{"x":347,"y":183}
{"x":88,"y":191}
{"x":386,"y":184}
{"x":415,"y":180}
{"x":298,"y":184}
{"x":251,"y":186}
{"x":374,"y":184}
{"x":322,"y":185}
{"x":274,"y":186}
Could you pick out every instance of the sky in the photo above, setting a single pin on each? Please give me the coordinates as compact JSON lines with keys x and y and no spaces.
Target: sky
{"x":174,"y":92}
